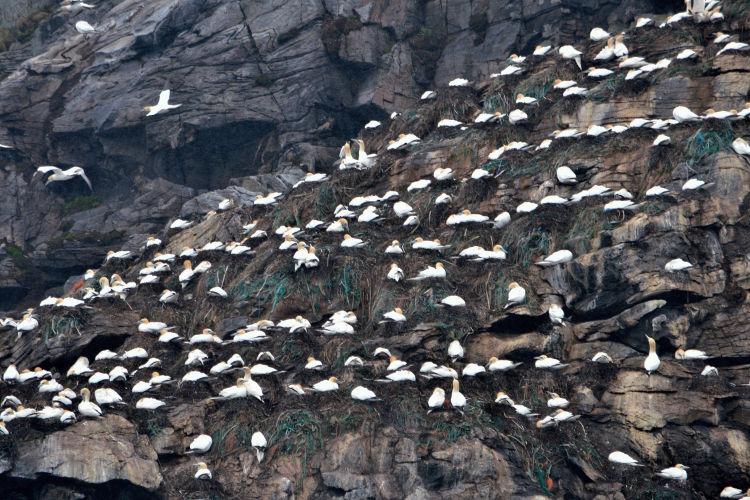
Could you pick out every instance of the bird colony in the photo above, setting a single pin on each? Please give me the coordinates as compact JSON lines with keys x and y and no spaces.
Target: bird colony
{"x":331,"y":278}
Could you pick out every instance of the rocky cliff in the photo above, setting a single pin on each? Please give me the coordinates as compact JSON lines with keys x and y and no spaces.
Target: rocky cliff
{"x":265,"y":87}
{"x":613,"y":292}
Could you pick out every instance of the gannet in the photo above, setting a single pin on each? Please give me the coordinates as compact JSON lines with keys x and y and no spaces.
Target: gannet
{"x":162,"y":105}
{"x":501,"y":397}
{"x":338,"y":327}
{"x":516,"y":295}
{"x":656,"y":191}
{"x":686,"y":54}
{"x":201,"y":444}
{"x":526,"y":207}
{"x":575,"y":91}
{"x":169,"y":297}
{"x":166,"y":336}
{"x":563,"y":84}
{"x":326,"y":385}
{"x":27,"y":324}
{"x":677,"y":265}
{"x":369,"y":214}
{"x":98,"y":378}
{"x":544,"y":361}
{"x":556,"y":314}
{"x":180,"y":224}
{"x":212,"y":246}
{"x":314,"y":364}
{"x":522,"y":99}
{"x":107,"y":396}
{"x":436,"y":400}
{"x":455,"y":350}
{"x":741,"y":146}
{"x":268,"y":200}
{"x":598,"y":34}
{"x":677,"y":472}
{"x":619,"y":457}
{"x":157,"y":379}
{"x":733,"y":46}
{"x":354,"y":361}
{"x":421,"y":244}
{"x":84,"y":28}
{"x":202,"y":472}
{"x":497,"y":253}
{"x":607,"y":52}
{"x":489,"y":117}
{"x":402,"y":209}
{"x":598,"y":72}
{"x":566,"y":176}
{"x":710,"y":114}
{"x":501,"y":365}
{"x":11,"y":373}
{"x":709,"y":370}
{"x":63,"y":175}
{"x":448,"y":123}
{"x":403,"y":140}
{"x":620,"y":205}
{"x":651,"y":364}
{"x":396,"y":315}
{"x":558,"y":257}
{"x":643,"y":21}
{"x":428,"y":94}
{"x":136,"y":352}
{"x":602,"y":357}
{"x":259,"y":442}
{"x":683,"y":114}
{"x":438,"y":271}
{"x":364,"y":159}
{"x":418,"y":185}
{"x":86,"y":408}
{"x":453,"y":301}
{"x":395,"y":273}
{"x":350,"y":242}
{"x":442,"y":174}
{"x":195,"y":357}
{"x":517,"y":116}
{"x":661,"y":139}
{"x":48,"y":412}
{"x":361,"y":393}
{"x":522,"y":410}
{"x":556,"y":401}
{"x":570,"y":52}
{"x":690,"y":354}
{"x":118,"y":373}
{"x":458,"y":400}
{"x":541,"y":50}
{"x":596,"y":130}
{"x":399,"y":376}
{"x":217,"y":291}
{"x":50,"y":386}
{"x":692,"y":184}
{"x":744,"y":113}
{"x":502,"y":220}
{"x":79,"y":368}
{"x":372,"y":124}
{"x":730,"y":492}
{"x":472,"y":370}
{"x":381,"y":350}
{"x":479,"y":173}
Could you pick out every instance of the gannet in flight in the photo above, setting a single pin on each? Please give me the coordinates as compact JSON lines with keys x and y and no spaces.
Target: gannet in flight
{"x":162,"y":105}
{"x":63,"y":175}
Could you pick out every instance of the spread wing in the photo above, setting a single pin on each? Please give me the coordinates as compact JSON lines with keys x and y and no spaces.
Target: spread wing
{"x":163,"y":99}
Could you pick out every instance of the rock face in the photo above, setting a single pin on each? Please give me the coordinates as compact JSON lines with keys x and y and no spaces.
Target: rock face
{"x":101,"y":451}
{"x":264,"y":87}
{"x":614,"y":292}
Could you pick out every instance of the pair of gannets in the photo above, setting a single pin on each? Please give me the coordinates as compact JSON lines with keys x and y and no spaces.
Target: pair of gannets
{"x":437,"y":399}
